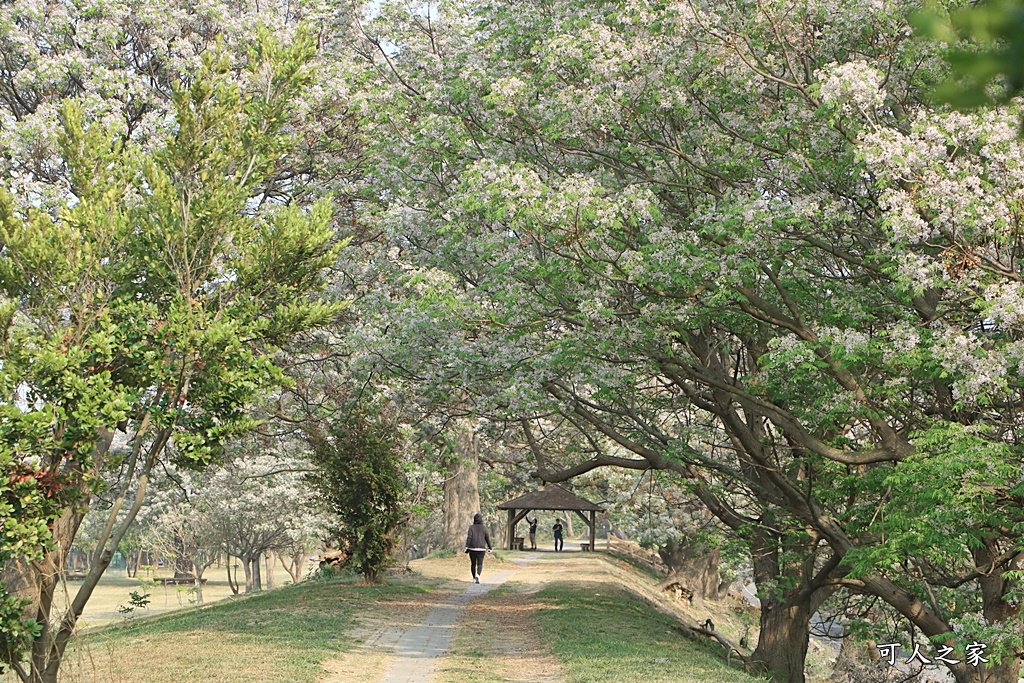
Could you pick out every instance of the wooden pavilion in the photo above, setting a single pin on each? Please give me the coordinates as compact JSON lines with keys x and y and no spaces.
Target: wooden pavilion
{"x":551,"y":497}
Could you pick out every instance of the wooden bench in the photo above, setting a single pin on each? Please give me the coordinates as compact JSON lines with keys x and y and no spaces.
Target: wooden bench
{"x":175,"y":581}
{"x":585,"y":547}
{"x":518,"y":542}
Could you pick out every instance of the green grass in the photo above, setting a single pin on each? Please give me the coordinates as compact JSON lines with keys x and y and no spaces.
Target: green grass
{"x":280,"y":635}
{"x":602,"y":634}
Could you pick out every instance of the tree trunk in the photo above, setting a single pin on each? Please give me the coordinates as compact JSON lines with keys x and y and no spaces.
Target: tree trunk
{"x":294,"y":563}
{"x":138,"y":561}
{"x":461,"y":488}
{"x":498,"y":539}
{"x":247,"y":567}
{"x":232,"y":583}
{"x":270,"y":569}
{"x":786,"y":609}
{"x":694,"y":567}
{"x":257,"y":582}
{"x":995,"y":588}
{"x":199,"y":585}
{"x":782,"y":645}
{"x":180,"y":562}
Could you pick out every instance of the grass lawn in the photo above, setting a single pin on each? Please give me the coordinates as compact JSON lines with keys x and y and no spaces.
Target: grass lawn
{"x":602,"y":634}
{"x":114,"y":588}
{"x":281,"y":635}
{"x":113,"y":591}
{"x":570,"y":618}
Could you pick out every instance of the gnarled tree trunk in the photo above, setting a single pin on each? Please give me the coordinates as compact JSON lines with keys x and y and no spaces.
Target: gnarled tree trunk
{"x":694,"y":567}
{"x":782,"y":646}
{"x":786,"y":610}
{"x":995,"y":589}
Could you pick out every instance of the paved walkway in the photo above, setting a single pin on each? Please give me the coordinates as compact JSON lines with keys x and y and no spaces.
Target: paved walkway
{"x":418,"y":649}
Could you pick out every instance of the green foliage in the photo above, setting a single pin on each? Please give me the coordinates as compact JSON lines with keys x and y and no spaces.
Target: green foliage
{"x":324,"y":572}
{"x":136,"y":600}
{"x":360,"y":479}
{"x":940,"y":500}
{"x":988,"y":60}
{"x":155,"y":301}
{"x":28,"y":505}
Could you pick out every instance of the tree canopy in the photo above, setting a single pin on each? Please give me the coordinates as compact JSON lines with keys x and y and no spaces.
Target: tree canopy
{"x":734,"y":245}
{"x":739,"y":243}
{"x":152,"y":305}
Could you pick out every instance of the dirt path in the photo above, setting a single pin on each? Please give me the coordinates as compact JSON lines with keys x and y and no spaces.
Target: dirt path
{"x":466,"y":635}
{"x":498,"y":639}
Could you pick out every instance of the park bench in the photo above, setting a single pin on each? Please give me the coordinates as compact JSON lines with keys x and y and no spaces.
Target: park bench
{"x":518,"y":542}
{"x":585,"y":547}
{"x":176,"y":580}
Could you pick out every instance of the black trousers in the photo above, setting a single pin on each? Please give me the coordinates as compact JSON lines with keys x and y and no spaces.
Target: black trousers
{"x":476,"y":561}
{"x":559,"y":543}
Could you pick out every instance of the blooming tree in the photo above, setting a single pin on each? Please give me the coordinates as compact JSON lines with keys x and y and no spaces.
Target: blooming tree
{"x":262,"y":502}
{"x":735,"y":241}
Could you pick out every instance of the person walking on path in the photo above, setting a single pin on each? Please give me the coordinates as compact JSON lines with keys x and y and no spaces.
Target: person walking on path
{"x":533,"y":533}
{"x":557,"y":529}
{"x":478,"y":542}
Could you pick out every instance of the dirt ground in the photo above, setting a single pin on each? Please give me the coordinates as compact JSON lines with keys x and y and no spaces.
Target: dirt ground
{"x":496,"y":638}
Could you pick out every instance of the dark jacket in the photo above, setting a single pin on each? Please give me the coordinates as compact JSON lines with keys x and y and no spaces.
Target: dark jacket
{"x":478,"y":538}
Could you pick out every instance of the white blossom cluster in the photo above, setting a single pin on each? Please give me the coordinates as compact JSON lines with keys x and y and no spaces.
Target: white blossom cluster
{"x":852,"y":85}
{"x":119,"y":59}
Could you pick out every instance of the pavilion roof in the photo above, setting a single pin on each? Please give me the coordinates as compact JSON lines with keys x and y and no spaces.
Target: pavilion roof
{"x":551,"y":497}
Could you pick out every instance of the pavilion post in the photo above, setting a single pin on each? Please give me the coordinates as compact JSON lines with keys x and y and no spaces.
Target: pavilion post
{"x":511,"y":528}
{"x":593,"y":536}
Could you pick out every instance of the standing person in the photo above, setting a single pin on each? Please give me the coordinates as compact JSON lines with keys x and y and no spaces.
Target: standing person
{"x":557,"y":529}
{"x":478,"y":542}
{"x":533,"y":533}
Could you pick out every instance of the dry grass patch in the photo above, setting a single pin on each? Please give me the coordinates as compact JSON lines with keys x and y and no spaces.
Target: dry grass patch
{"x":281,"y":635}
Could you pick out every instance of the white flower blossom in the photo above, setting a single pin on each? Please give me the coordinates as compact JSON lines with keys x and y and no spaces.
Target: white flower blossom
{"x":853,"y":85}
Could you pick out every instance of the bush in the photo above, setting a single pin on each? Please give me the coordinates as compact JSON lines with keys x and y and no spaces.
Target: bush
{"x":359,"y":478}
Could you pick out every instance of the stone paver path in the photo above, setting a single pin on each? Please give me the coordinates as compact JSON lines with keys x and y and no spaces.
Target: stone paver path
{"x":416,"y":652}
